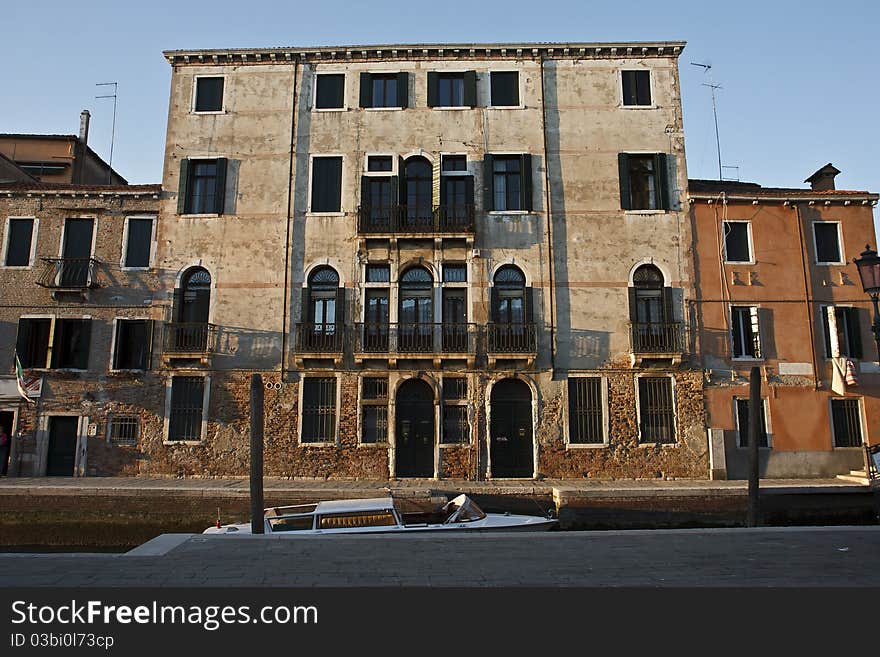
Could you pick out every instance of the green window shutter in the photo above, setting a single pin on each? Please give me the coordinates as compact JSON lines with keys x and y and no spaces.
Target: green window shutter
{"x":662,"y":188}
{"x":177,"y":305}
{"x":469,"y":190}
{"x":402,"y":89}
{"x":340,"y":306}
{"x":22,"y":344}
{"x":433,"y":90}
{"x":623,"y":174}
{"x":494,"y":305}
{"x":366,"y":90}
{"x":855,"y":328}
{"x":528,"y":306}
{"x":488,"y":191}
{"x":668,"y":305}
{"x":401,"y":182}
{"x":470,"y":88}
{"x":525,"y":189}
{"x":633,"y":305}
{"x":83,"y":342}
{"x":148,"y":365}
{"x":826,"y":330}
{"x":183,"y":187}
{"x":220,"y":186}
{"x":305,"y":312}
{"x":365,"y":192}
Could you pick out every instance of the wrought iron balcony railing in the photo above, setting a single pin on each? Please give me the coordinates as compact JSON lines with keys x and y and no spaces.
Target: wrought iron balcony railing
{"x":190,"y":338}
{"x":511,"y":338}
{"x":416,"y":219}
{"x":68,"y":273}
{"x":657,"y":337}
{"x":446,"y":338}
{"x":311,"y":338}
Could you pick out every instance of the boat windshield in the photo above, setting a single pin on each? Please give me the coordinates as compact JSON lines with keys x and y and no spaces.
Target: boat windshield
{"x":466,"y":510}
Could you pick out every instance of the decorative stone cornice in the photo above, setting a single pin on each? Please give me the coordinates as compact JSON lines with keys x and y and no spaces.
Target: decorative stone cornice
{"x":475,"y":51}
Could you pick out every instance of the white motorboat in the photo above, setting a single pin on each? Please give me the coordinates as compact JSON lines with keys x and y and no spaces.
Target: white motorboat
{"x":385,"y":515}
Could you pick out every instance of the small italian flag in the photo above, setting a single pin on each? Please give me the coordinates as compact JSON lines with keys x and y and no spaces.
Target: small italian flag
{"x":19,"y":379}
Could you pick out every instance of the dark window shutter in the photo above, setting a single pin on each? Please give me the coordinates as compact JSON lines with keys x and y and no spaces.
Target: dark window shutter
{"x":177,"y":305}
{"x":528,"y":306}
{"x":662,"y":187}
{"x":116,"y":344}
{"x":402,"y":89}
{"x":488,"y":192}
{"x":433,"y":90}
{"x":80,"y":342}
{"x":470,"y":88}
{"x":633,"y":306}
{"x":220,"y":186}
{"x":22,"y":344}
{"x":366,"y":90}
{"x":623,"y":174}
{"x":494,"y":305}
{"x":826,"y":330}
{"x":183,"y":187}
{"x":401,"y":182}
{"x":340,"y":306}
{"x":395,"y":189}
{"x":305,"y":310}
{"x":668,"y":305}
{"x":365,"y":192}
{"x":469,"y":190}
{"x":148,"y":360}
{"x":525,"y":189}
{"x":855,"y":328}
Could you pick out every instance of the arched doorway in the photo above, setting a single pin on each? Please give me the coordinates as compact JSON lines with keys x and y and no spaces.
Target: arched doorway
{"x":511,"y":448}
{"x":416,"y":313}
{"x":414,"y":430}
{"x":417,"y":194}
{"x":648,"y":310}
{"x":193,"y":302}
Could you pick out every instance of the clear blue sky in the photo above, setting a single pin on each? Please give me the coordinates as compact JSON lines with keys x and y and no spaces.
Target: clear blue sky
{"x":799,"y":79}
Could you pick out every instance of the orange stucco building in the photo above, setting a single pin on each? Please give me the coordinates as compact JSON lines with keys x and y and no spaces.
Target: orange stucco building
{"x":776,"y":288}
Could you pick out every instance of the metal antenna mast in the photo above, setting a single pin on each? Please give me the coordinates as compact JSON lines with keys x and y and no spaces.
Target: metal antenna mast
{"x":113,"y":130}
{"x":712,"y":86}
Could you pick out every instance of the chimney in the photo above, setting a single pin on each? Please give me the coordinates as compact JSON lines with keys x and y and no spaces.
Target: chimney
{"x":823,"y":179}
{"x":84,"y":126}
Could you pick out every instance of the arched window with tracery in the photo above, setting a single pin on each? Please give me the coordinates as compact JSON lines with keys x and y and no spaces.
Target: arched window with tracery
{"x":417,"y":194}
{"x":513,"y":324}
{"x":416,"y":313}
{"x":323,"y":309}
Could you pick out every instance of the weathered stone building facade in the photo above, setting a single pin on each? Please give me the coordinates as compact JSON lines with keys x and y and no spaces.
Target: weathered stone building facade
{"x":459,"y":261}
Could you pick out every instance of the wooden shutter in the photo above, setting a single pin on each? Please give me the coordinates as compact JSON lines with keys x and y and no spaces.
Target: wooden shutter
{"x":469,"y":190}
{"x":116,"y":341}
{"x":754,"y":316}
{"x":488,"y":191}
{"x":220,"y":186}
{"x":470,"y":88}
{"x":22,"y":344}
{"x":366,"y":90}
{"x":304,"y":309}
{"x":826,"y":331}
{"x":633,"y":305}
{"x":183,"y":187}
{"x":661,"y":171}
{"x":435,"y":182}
{"x":401,"y":187}
{"x":528,"y":306}
{"x":525,"y":188}
{"x":150,"y":331}
{"x":855,"y":331}
{"x":623,"y":175}
{"x":433,"y":89}
{"x":366,"y":201}
{"x":340,"y":306}
{"x":668,"y":305}
{"x":82,"y":345}
{"x":831,"y":333}
{"x":494,"y":305}
{"x":402,"y":89}
{"x":336,"y":185}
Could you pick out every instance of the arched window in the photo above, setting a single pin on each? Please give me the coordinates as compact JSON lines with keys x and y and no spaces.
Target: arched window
{"x":416,"y":314}
{"x":195,"y":296}
{"x":417,"y":192}
{"x":509,"y":296}
{"x":323,"y":304}
{"x":646,"y":296}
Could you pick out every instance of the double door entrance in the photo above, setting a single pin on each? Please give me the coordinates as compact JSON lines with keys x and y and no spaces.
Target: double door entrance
{"x":414,"y":430}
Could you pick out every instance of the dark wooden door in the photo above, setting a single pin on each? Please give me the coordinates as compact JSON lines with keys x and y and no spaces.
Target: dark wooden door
{"x":414,"y":430}
{"x":511,"y":447}
{"x":62,"y":446}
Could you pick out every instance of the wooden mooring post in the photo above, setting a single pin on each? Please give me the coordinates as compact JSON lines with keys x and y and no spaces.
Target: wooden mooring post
{"x":256,"y":478}
{"x":754,"y":433}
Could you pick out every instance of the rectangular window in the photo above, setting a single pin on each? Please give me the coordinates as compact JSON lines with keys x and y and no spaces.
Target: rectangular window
{"x":504,"y":88}
{"x":509,"y":183}
{"x":450,"y":89}
{"x":451,"y":163}
{"x":131,"y":350}
{"x":202,"y":186}
{"x":737,"y":241}
{"x":374,"y":410}
{"x":209,"y":94}
{"x":745,"y":327}
{"x":318,"y":410}
{"x":456,"y":429}
{"x":330,"y":91}
{"x":32,"y":343}
{"x":454,"y":273}
{"x":636,"y":88}
{"x":123,"y":430}
{"x":843,"y":333}
{"x":187,"y":408}
{"x":643,"y":181}
{"x":384,"y":90}
{"x":326,"y":184}
{"x":586,"y":411}
{"x":742,"y":424}
{"x":19,"y":237}
{"x":378,"y":273}
{"x":139,"y":242}
{"x":70,"y":345}
{"x":656,"y":410}
{"x":826,"y":236}
{"x":846,"y":422}
{"x":379,"y":163}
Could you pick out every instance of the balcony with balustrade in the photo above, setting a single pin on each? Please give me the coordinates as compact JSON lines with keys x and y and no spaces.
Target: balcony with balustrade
{"x":416,"y":221}
{"x":318,"y":341}
{"x":454,"y":341}
{"x":187,"y":343}
{"x":511,"y":341}
{"x":68,"y":275}
{"x":656,"y":341}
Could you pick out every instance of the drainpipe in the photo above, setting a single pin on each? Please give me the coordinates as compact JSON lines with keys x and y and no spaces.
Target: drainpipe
{"x":552,"y":292}
{"x":807,"y":295}
{"x":284,"y":323}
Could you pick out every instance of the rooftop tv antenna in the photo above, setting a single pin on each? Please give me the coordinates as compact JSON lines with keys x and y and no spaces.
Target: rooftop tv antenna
{"x":113,"y":129}
{"x":707,"y":68}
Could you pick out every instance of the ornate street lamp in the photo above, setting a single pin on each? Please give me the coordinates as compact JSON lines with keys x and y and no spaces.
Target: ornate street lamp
{"x":869,"y":272}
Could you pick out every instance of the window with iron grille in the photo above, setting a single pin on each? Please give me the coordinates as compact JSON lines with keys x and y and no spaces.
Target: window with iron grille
{"x":742,"y":424}
{"x":656,"y":410}
{"x":454,"y":389}
{"x":374,"y":409}
{"x":456,"y":428}
{"x":318,"y":410}
{"x":586,"y":411}
{"x":846,"y":423}
{"x":187,"y":408}
{"x":123,"y":430}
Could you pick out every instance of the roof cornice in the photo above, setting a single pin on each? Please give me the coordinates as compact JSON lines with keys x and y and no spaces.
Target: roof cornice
{"x":453,"y":51}
{"x":839,"y":198}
